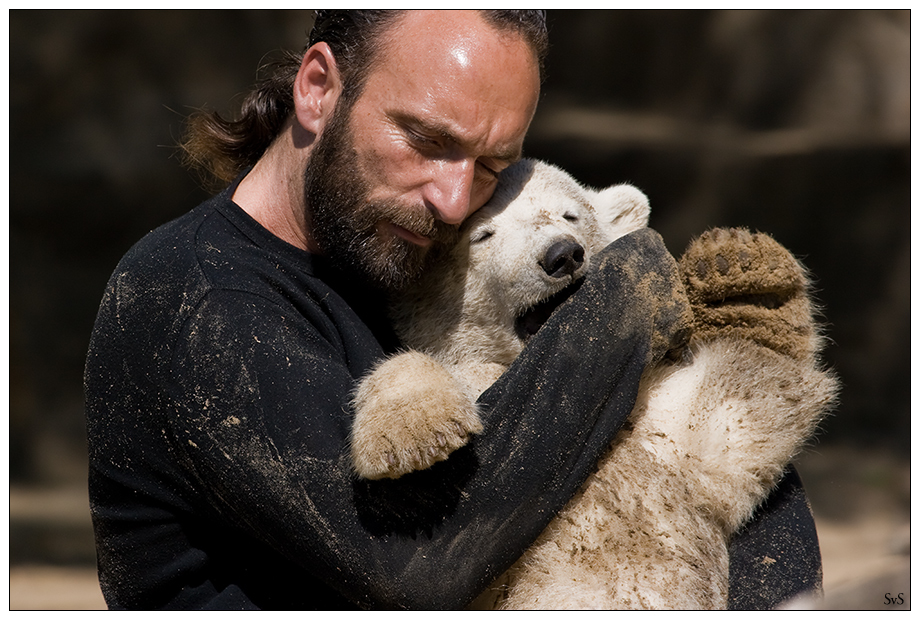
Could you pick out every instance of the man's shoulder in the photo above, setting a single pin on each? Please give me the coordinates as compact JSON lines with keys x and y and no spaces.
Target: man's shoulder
{"x":206,"y":241}
{"x":164,"y":249}
{"x":215,"y":247}
{"x":159,"y":274}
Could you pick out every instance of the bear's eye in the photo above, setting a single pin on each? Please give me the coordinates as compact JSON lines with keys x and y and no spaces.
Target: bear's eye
{"x":570,"y":217}
{"x":481,"y":235}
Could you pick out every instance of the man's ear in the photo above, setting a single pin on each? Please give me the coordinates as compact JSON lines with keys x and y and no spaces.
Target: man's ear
{"x":316,"y":88}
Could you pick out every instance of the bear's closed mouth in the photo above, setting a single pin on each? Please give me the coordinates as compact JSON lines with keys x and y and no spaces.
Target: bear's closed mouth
{"x":530,"y":322}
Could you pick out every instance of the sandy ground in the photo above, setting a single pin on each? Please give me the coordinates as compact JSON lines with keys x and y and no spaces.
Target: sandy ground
{"x":861,"y":502}
{"x":54,"y":587}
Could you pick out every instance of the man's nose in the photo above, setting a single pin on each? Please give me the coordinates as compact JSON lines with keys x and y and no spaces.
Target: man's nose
{"x":450,"y":191}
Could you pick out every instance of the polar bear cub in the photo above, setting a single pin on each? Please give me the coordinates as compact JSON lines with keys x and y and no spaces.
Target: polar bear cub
{"x":706,"y":441}
{"x":475,"y":307}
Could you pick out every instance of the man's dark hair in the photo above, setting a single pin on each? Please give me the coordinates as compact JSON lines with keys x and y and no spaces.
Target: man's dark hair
{"x":222,"y":148}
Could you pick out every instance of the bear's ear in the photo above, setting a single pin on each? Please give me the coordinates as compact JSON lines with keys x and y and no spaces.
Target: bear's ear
{"x":621,"y":209}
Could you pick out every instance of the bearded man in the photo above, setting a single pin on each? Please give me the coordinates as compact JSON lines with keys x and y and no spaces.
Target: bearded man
{"x":228,"y":341}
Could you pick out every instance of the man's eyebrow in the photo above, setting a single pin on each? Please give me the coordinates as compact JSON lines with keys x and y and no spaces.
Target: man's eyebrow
{"x":435,"y":127}
{"x":510,"y":156}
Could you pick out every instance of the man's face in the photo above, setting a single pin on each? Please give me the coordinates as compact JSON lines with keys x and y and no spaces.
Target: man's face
{"x":444,"y":109}
{"x":347,"y":224}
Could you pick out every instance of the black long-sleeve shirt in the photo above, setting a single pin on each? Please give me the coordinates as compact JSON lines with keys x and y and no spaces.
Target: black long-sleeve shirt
{"x":217,"y":397}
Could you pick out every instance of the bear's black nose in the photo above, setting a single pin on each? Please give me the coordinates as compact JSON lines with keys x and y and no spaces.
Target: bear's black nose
{"x":563,"y":258}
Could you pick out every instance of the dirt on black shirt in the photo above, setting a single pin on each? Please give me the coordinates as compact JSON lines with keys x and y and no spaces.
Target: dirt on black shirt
{"x":218,"y":382}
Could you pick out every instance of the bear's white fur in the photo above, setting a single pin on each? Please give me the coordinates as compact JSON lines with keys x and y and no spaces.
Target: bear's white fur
{"x":707,"y":438}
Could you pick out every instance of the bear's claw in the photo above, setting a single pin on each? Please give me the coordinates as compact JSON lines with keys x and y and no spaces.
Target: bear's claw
{"x":394,"y":452}
{"x":744,"y":284}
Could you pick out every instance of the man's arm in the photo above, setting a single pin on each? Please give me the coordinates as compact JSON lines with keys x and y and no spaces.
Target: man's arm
{"x":262,"y":420}
{"x":775,"y":556}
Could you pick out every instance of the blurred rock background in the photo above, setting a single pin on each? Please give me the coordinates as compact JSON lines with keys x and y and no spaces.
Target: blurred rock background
{"x":795,"y":123}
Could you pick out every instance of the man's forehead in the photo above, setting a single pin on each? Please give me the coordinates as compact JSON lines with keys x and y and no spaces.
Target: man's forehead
{"x":454,"y":82}
{"x":415,"y":24}
{"x":455,"y":37}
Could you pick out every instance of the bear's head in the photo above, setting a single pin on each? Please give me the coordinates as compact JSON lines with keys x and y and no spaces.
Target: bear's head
{"x":517,"y":259}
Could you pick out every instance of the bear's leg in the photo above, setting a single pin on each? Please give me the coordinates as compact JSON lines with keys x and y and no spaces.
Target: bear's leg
{"x":748,"y":285}
{"x":735,"y":418}
{"x":409,"y":414}
{"x":758,"y":392}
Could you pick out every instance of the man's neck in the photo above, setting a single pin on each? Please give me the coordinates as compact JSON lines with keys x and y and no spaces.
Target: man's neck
{"x":273,"y":194}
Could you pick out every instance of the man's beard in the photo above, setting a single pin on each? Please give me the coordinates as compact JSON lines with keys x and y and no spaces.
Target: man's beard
{"x":347,"y":226}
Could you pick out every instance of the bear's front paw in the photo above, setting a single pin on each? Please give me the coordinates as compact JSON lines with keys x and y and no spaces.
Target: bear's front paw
{"x":410,"y":414}
{"x":748,"y":285}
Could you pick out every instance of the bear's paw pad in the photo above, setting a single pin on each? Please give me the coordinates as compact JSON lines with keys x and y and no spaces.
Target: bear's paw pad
{"x":747,"y":285}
